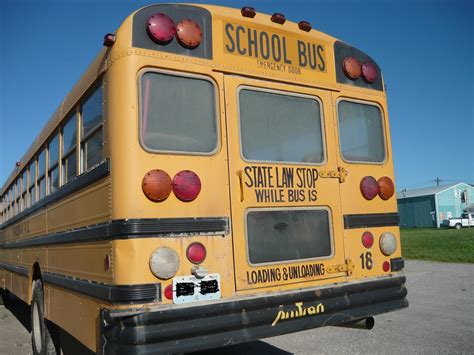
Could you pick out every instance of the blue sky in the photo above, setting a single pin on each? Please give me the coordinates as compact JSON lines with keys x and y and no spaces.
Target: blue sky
{"x":425,"y":49}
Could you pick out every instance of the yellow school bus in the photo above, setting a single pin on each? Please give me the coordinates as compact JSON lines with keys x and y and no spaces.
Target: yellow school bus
{"x":216,"y":176}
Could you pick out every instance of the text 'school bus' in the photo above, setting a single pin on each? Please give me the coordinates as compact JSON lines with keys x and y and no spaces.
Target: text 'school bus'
{"x":216,"y":176}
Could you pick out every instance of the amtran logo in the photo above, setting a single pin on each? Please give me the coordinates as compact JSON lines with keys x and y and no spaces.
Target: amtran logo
{"x":300,"y":311}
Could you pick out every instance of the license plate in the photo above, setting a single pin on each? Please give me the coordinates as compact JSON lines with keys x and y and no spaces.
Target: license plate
{"x":191,"y":289}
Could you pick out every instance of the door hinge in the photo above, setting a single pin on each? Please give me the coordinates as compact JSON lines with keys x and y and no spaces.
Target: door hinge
{"x":347,"y":268}
{"x":340,"y":174}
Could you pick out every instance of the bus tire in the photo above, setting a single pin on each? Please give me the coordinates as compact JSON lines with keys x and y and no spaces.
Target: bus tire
{"x":5,"y":298}
{"x":458,"y":226}
{"x":41,"y":340}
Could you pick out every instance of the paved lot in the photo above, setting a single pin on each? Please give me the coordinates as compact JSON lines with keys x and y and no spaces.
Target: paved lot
{"x":440,"y":320}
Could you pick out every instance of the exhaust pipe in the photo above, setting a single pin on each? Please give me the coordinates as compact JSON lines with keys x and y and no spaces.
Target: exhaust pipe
{"x":365,"y":323}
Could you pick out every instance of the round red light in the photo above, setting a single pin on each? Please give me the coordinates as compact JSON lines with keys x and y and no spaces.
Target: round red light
{"x":386,"y":187}
{"x":369,"y":72}
{"x":196,"y":253}
{"x":186,"y":185}
{"x":369,"y":187}
{"x":188,"y":33}
{"x":157,"y":185}
{"x":367,"y":240}
{"x":169,"y":292}
{"x":351,"y":67}
{"x":386,"y":266}
{"x":160,"y":28}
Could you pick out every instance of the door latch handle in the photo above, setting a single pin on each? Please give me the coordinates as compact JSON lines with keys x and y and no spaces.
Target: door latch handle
{"x":240,"y":174}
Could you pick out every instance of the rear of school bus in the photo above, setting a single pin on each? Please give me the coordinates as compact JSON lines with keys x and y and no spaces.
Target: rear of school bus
{"x":252,"y":181}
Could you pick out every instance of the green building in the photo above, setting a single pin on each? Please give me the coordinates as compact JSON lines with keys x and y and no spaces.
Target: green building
{"x":428,"y":207}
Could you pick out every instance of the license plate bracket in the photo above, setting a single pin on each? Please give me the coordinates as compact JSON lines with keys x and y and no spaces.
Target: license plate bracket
{"x":191,"y":289}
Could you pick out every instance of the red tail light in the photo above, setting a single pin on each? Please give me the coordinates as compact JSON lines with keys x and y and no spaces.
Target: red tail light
{"x":186,"y":185}
{"x":368,"y":240}
{"x":351,"y":67}
{"x":188,"y":33}
{"x":369,"y":72}
{"x":369,"y":187}
{"x":386,"y":188}
{"x":157,"y":185}
{"x":161,"y":28}
{"x":196,"y":253}
{"x":386,"y":266}
{"x":169,"y":292}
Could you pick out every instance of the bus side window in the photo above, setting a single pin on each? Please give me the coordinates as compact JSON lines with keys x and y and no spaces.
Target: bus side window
{"x":24,"y":188}
{"x":69,"y":150}
{"x":32,"y":189}
{"x":91,"y":131}
{"x":18,"y":195}
{"x":41,"y":174}
{"x":53,"y":160}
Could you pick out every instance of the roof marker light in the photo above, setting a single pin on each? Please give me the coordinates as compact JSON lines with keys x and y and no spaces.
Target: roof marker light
{"x":160,"y":28}
{"x":248,"y":11}
{"x":278,"y":18}
{"x":109,"y":40}
{"x":304,"y":26}
{"x":369,"y":72}
{"x":351,"y":67}
{"x":188,"y":33}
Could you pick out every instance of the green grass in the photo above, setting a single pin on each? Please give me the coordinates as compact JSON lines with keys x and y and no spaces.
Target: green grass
{"x":448,"y":245}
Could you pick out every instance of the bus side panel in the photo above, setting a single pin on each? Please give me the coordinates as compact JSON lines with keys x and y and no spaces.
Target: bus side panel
{"x":89,"y":206}
{"x":77,"y":314}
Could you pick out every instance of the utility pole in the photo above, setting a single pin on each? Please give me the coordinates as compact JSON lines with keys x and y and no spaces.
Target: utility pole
{"x":437,"y":181}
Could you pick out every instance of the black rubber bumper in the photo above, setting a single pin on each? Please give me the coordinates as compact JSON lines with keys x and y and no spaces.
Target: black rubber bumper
{"x":211,"y":325}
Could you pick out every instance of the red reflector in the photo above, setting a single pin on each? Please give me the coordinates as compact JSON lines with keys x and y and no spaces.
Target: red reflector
{"x":278,"y":18}
{"x":157,"y":185}
{"x":186,"y":185}
{"x":107,"y":263}
{"x":369,"y":187}
{"x":386,"y":266}
{"x":188,"y":33}
{"x":305,"y":26}
{"x":367,"y":240}
{"x":169,"y":292}
{"x":248,"y":11}
{"x":369,"y":72}
{"x":196,"y":253}
{"x":160,"y":28}
{"x":386,"y":188}
{"x":109,"y":40}
{"x":351,"y":67}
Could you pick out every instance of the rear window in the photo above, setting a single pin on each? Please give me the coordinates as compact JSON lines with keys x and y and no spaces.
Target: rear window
{"x":361,"y":132}
{"x":178,"y":114}
{"x":284,"y":235}
{"x":280,"y":128}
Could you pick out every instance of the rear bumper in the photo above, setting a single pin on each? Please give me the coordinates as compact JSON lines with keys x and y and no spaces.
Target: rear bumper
{"x":215,"y":324}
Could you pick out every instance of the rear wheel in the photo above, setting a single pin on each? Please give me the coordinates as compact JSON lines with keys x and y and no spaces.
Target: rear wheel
{"x":5,"y":297}
{"x":458,"y":226}
{"x":40,"y":336}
